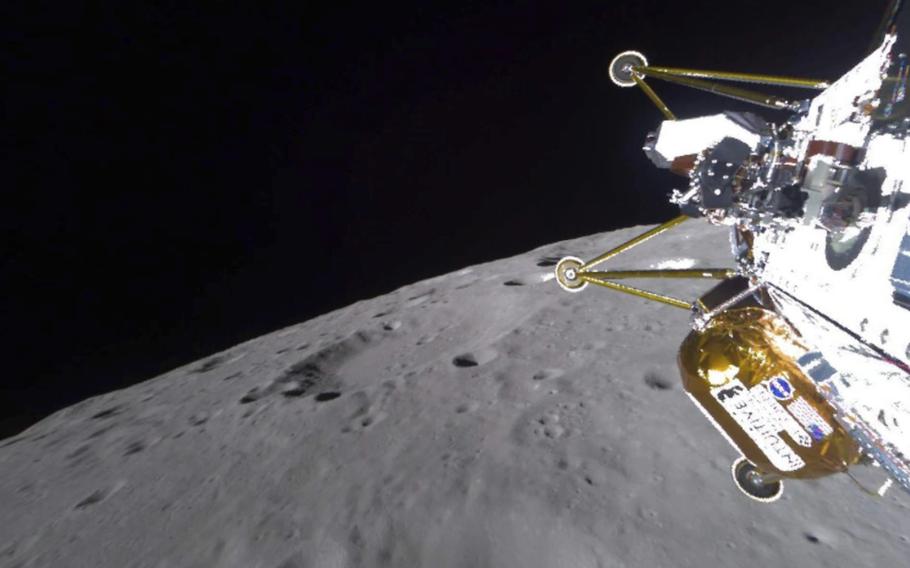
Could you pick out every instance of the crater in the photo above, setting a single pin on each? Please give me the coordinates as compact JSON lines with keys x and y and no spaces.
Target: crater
{"x":107,"y":413}
{"x":465,"y":360}
{"x":297,"y":390}
{"x":548,"y":261}
{"x":252,"y":396}
{"x":327,"y":396}
{"x":547,"y":374}
{"x":209,"y":365}
{"x":657,"y":382}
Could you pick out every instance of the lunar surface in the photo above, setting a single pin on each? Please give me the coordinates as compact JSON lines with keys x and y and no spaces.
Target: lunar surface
{"x":484,"y":418}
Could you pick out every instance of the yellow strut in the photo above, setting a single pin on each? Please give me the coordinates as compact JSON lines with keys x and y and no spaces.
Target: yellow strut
{"x":636,"y":291}
{"x":633,"y":242}
{"x":739,"y":77}
{"x":573,"y":277}
{"x":737,"y":93}
{"x":714,"y":273}
{"x":653,"y":96}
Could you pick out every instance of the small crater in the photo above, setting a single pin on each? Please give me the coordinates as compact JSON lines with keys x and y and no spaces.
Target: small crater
{"x":306,"y":369}
{"x":198,"y":418}
{"x":466,"y":407}
{"x":135,"y":448}
{"x":548,"y":261}
{"x":327,"y":396}
{"x":547,"y":374}
{"x":296,"y":391}
{"x":589,"y":481}
{"x":11,"y":441}
{"x":232,"y":376}
{"x":656,"y":382}
{"x":811,"y":538}
{"x":391,"y":326}
{"x":296,"y":560}
{"x":101,"y":432}
{"x":380,"y":314}
{"x":107,"y":413}
{"x":514,"y":283}
{"x":252,"y":396}
{"x":209,"y":365}
{"x":78,"y":453}
{"x":367,"y":422}
{"x":465,"y":360}
{"x":423,"y":295}
{"x":9,"y":551}
{"x":554,"y":431}
{"x":93,"y":499}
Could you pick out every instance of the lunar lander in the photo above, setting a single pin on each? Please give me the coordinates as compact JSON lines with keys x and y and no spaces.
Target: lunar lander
{"x":800,"y":356}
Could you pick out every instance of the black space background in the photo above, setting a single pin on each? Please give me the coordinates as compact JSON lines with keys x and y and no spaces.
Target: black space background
{"x":182,"y":178}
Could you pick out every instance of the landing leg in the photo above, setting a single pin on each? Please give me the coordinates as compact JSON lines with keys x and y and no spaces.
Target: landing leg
{"x":754,"y":484}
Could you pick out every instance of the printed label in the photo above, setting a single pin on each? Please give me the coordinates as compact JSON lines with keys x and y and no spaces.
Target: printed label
{"x":817,"y":426}
{"x":776,"y":414}
{"x":763,"y":422}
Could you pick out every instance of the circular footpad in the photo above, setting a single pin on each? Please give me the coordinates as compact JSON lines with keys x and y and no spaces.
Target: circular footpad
{"x":621,"y":67}
{"x":567,"y":271}
{"x":749,"y":480}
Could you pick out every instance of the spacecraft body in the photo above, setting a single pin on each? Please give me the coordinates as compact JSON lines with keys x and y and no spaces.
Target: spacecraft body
{"x":819,"y":211}
{"x":801,"y":355}
{"x":840,"y":273}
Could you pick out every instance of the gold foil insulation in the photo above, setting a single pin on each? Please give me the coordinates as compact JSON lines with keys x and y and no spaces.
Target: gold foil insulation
{"x":741,"y":369}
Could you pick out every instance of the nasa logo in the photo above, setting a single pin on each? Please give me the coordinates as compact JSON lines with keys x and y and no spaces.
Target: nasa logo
{"x":780,"y":388}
